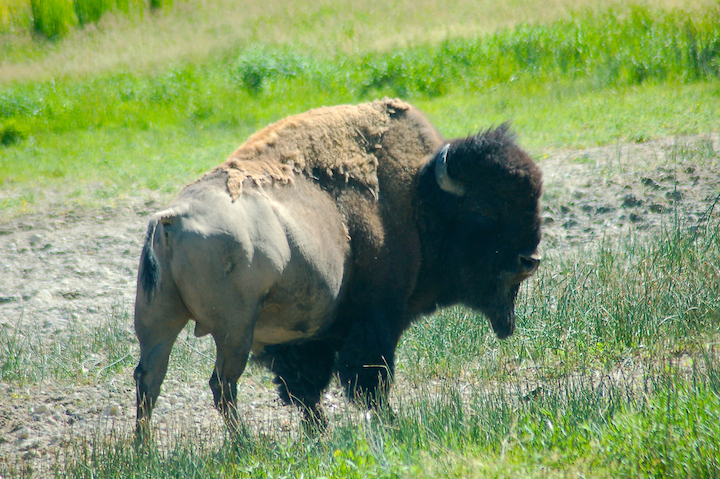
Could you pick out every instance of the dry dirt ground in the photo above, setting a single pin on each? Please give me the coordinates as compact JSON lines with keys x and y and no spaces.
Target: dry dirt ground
{"x":66,"y":271}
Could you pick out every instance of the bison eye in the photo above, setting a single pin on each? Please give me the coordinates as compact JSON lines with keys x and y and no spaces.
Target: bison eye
{"x":487,"y":213}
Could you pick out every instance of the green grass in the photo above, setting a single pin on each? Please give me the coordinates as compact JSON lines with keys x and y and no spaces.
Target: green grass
{"x":52,"y":18}
{"x":665,"y":425}
{"x":565,"y":84}
{"x":74,"y":354}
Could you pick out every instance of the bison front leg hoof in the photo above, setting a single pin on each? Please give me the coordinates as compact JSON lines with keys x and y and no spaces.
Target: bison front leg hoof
{"x":314,"y":420}
{"x":368,"y":386}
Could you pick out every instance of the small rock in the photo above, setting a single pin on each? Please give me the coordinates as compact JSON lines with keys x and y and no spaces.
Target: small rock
{"x":23,"y":434}
{"x":114,"y":410}
{"x":35,"y":239}
{"x":634,"y":217}
{"x":656,"y":208}
{"x":40,"y":409}
{"x":630,"y":201}
{"x":44,"y":295}
{"x":650,"y":183}
{"x":674,"y":195}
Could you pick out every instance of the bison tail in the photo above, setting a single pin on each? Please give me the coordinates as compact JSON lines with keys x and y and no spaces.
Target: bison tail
{"x":149,"y":275}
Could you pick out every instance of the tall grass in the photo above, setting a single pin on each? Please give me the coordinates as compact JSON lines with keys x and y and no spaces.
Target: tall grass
{"x":669,"y":426}
{"x":52,"y":18}
{"x":90,"y":11}
{"x":75,"y":354}
{"x":598,"y":50}
{"x":612,"y":47}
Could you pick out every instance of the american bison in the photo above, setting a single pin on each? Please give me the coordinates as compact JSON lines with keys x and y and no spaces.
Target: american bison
{"x":322,"y":238}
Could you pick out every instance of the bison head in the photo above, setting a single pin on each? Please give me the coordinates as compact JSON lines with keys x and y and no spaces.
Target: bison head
{"x":481,"y":213}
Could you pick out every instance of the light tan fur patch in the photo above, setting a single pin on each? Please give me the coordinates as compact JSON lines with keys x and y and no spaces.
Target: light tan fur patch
{"x":340,"y":141}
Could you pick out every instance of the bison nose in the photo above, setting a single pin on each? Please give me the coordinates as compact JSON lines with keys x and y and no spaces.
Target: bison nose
{"x":529,"y":263}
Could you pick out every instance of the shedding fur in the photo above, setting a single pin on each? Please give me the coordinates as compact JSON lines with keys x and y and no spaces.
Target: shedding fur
{"x":325,"y":143}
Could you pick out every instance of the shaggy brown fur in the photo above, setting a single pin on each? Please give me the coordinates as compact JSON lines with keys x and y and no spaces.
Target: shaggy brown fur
{"x":341,"y":141}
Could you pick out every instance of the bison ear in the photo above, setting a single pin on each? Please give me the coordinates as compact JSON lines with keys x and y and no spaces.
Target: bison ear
{"x":442,"y":177}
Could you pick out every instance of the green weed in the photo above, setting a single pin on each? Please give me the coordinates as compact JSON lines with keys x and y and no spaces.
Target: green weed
{"x":90,"y":11}
{"x":158,"y":4}
{"x":256,"y":64}
{"x":52,"y":18}
{"x":12,"y":132}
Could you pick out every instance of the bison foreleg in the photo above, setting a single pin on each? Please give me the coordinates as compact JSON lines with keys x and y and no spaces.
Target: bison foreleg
{"x":367,"y":362}
{"x":302,"y":371}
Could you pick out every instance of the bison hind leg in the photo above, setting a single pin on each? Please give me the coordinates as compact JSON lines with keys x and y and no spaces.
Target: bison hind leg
{"x":302,"y":372}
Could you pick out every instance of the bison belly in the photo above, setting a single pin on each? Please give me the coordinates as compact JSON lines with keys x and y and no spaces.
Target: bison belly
{"x":301,"y":304}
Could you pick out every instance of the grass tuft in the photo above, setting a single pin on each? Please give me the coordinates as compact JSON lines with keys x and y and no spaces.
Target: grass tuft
{"x":257,"y":64}
{"x":12,"y":132}
{"x":52,"y":18}
{"x":90,"y":11}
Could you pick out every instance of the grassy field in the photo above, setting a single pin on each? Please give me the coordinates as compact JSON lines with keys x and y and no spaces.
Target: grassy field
{"x":614,"y":369}
{"x":566,"y":83}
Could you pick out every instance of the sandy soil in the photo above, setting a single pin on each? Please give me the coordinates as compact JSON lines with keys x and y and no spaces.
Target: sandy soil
{"x":62,"y":271}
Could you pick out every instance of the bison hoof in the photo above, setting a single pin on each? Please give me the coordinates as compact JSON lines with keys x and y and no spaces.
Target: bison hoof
{"x":143,"y":435}
{"x":381,"y":416}
{"x":314,"y":422}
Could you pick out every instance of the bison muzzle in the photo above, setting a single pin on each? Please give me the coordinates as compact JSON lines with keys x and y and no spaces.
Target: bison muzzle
{"x":322,"y":238}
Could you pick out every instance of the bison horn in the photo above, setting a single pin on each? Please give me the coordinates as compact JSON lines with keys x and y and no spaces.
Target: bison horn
{"x":442,"y":177}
